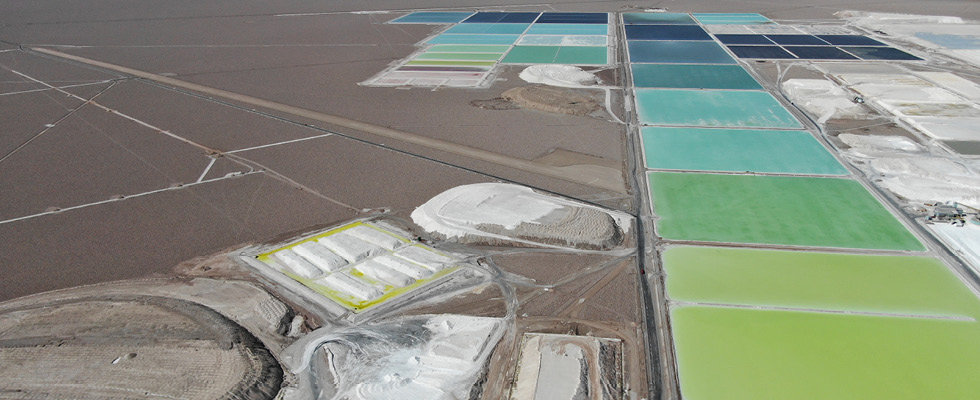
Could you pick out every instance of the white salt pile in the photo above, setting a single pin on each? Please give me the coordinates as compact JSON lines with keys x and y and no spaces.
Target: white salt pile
{"x":497,"y":213}
{"x":558,"y":75}
{"x":427,"y":357}
{"x":824,"y":99}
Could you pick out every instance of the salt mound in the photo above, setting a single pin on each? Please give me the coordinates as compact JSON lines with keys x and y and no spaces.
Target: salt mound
{"x":877,"y":145}
{"x":497,"y":213}
{"x":438,"y":357}
{"x":926,"y":179}
{"x":823,"y":98}
{"x":558,"y":75}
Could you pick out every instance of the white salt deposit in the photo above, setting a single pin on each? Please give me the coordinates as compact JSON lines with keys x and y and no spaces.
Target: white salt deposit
{"x":424,"y":258}
{"x":401,"y":265}
{"x":910,"y":173}
{"x":353,"y":286}
{"x":297,"y":264}
{"x":899,"y":88}
{"x":460,"y":211}
{"x":880,"y":143}
{"x":455,"y":211}
{"x":965,"y":190}
{"x":350,"y":248}
{"x":558,"y":75}
{"x":561,"y":367}
{"x":873,"y":20}
{"x":401,"y":369}
{"x":964,"y":241}
{"x":320,"y":256}
{"x":942,"y":113}
{"x":374,"y":237}
{"x":823,"y":99}
{"x":564,"y":367}
{"x":961,"y":86}
{"x":949,"y":128}
{"x":383,"y":273}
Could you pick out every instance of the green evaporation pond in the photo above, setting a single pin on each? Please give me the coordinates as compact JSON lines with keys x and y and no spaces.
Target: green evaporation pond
{"x":431,"y":55}
{"x":694,"y":76}
{"x":712,"y":108}
{"x":532,"y":55}
{"x":745,"y":354}
{"x":580,"y":55}
{"x":462,"y":48}
{"x":703,"y":149}
{"x":801,"y":211}
{"x":577,"y":55}
{"x":821,"y":281}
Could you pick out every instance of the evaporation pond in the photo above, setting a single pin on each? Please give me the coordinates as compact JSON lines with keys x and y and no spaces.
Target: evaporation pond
{"x":820,"y":281}
{"x":462,"y":48}
{"x":451,"y":63}
{"x":732,"y":19}
{"x":745,"y":354}
{"x":657,"y":19}
{"x":712,"y":108}
{"x":704,"y":149}
{"x":431,"y":55}
{"x":432,"y":17}
{"x":489,"y":28}
{"x":802,"y":211}
{"x":692,"y":76}
{"x":577,"y":55}
{"x":678,"y":52}
{"x":568,"y":29}
{"x":466,"y":38}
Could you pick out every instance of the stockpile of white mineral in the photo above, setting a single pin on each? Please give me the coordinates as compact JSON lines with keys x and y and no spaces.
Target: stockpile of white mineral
{"x":505,"y":214}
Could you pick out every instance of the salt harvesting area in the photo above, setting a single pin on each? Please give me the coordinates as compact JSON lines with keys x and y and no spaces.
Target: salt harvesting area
{"x":488,"y":200}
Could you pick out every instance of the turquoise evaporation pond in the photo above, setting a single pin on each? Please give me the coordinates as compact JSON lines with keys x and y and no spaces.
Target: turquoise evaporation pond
{"x":575,"y":55}
{"x":732,"y":19}
{"x":563,"y":40}
{"x":568,"y":29}
{"x":712,"y":108}
{"x":489,"y":28}
{"x":778,"y":210}
{"x":462,"y":48}
{"x":897,"y":285}
{"x":737,"y":150}
{"x":747,"y":354}
{"x":678,"y":52}
{"x":455,"y":38}
{"x":431,"y":17}
{"x":693,"y":76}
{"x":658,"y":19}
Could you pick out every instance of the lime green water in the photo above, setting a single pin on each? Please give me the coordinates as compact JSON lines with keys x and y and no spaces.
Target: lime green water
{"x":736,"y":354}
{"x":823,"y":281}
{"x":827,"y":212}
{"x":776,"y":151}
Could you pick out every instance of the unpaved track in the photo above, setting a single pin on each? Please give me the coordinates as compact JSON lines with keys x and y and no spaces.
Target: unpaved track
{"x":565,"y":173}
